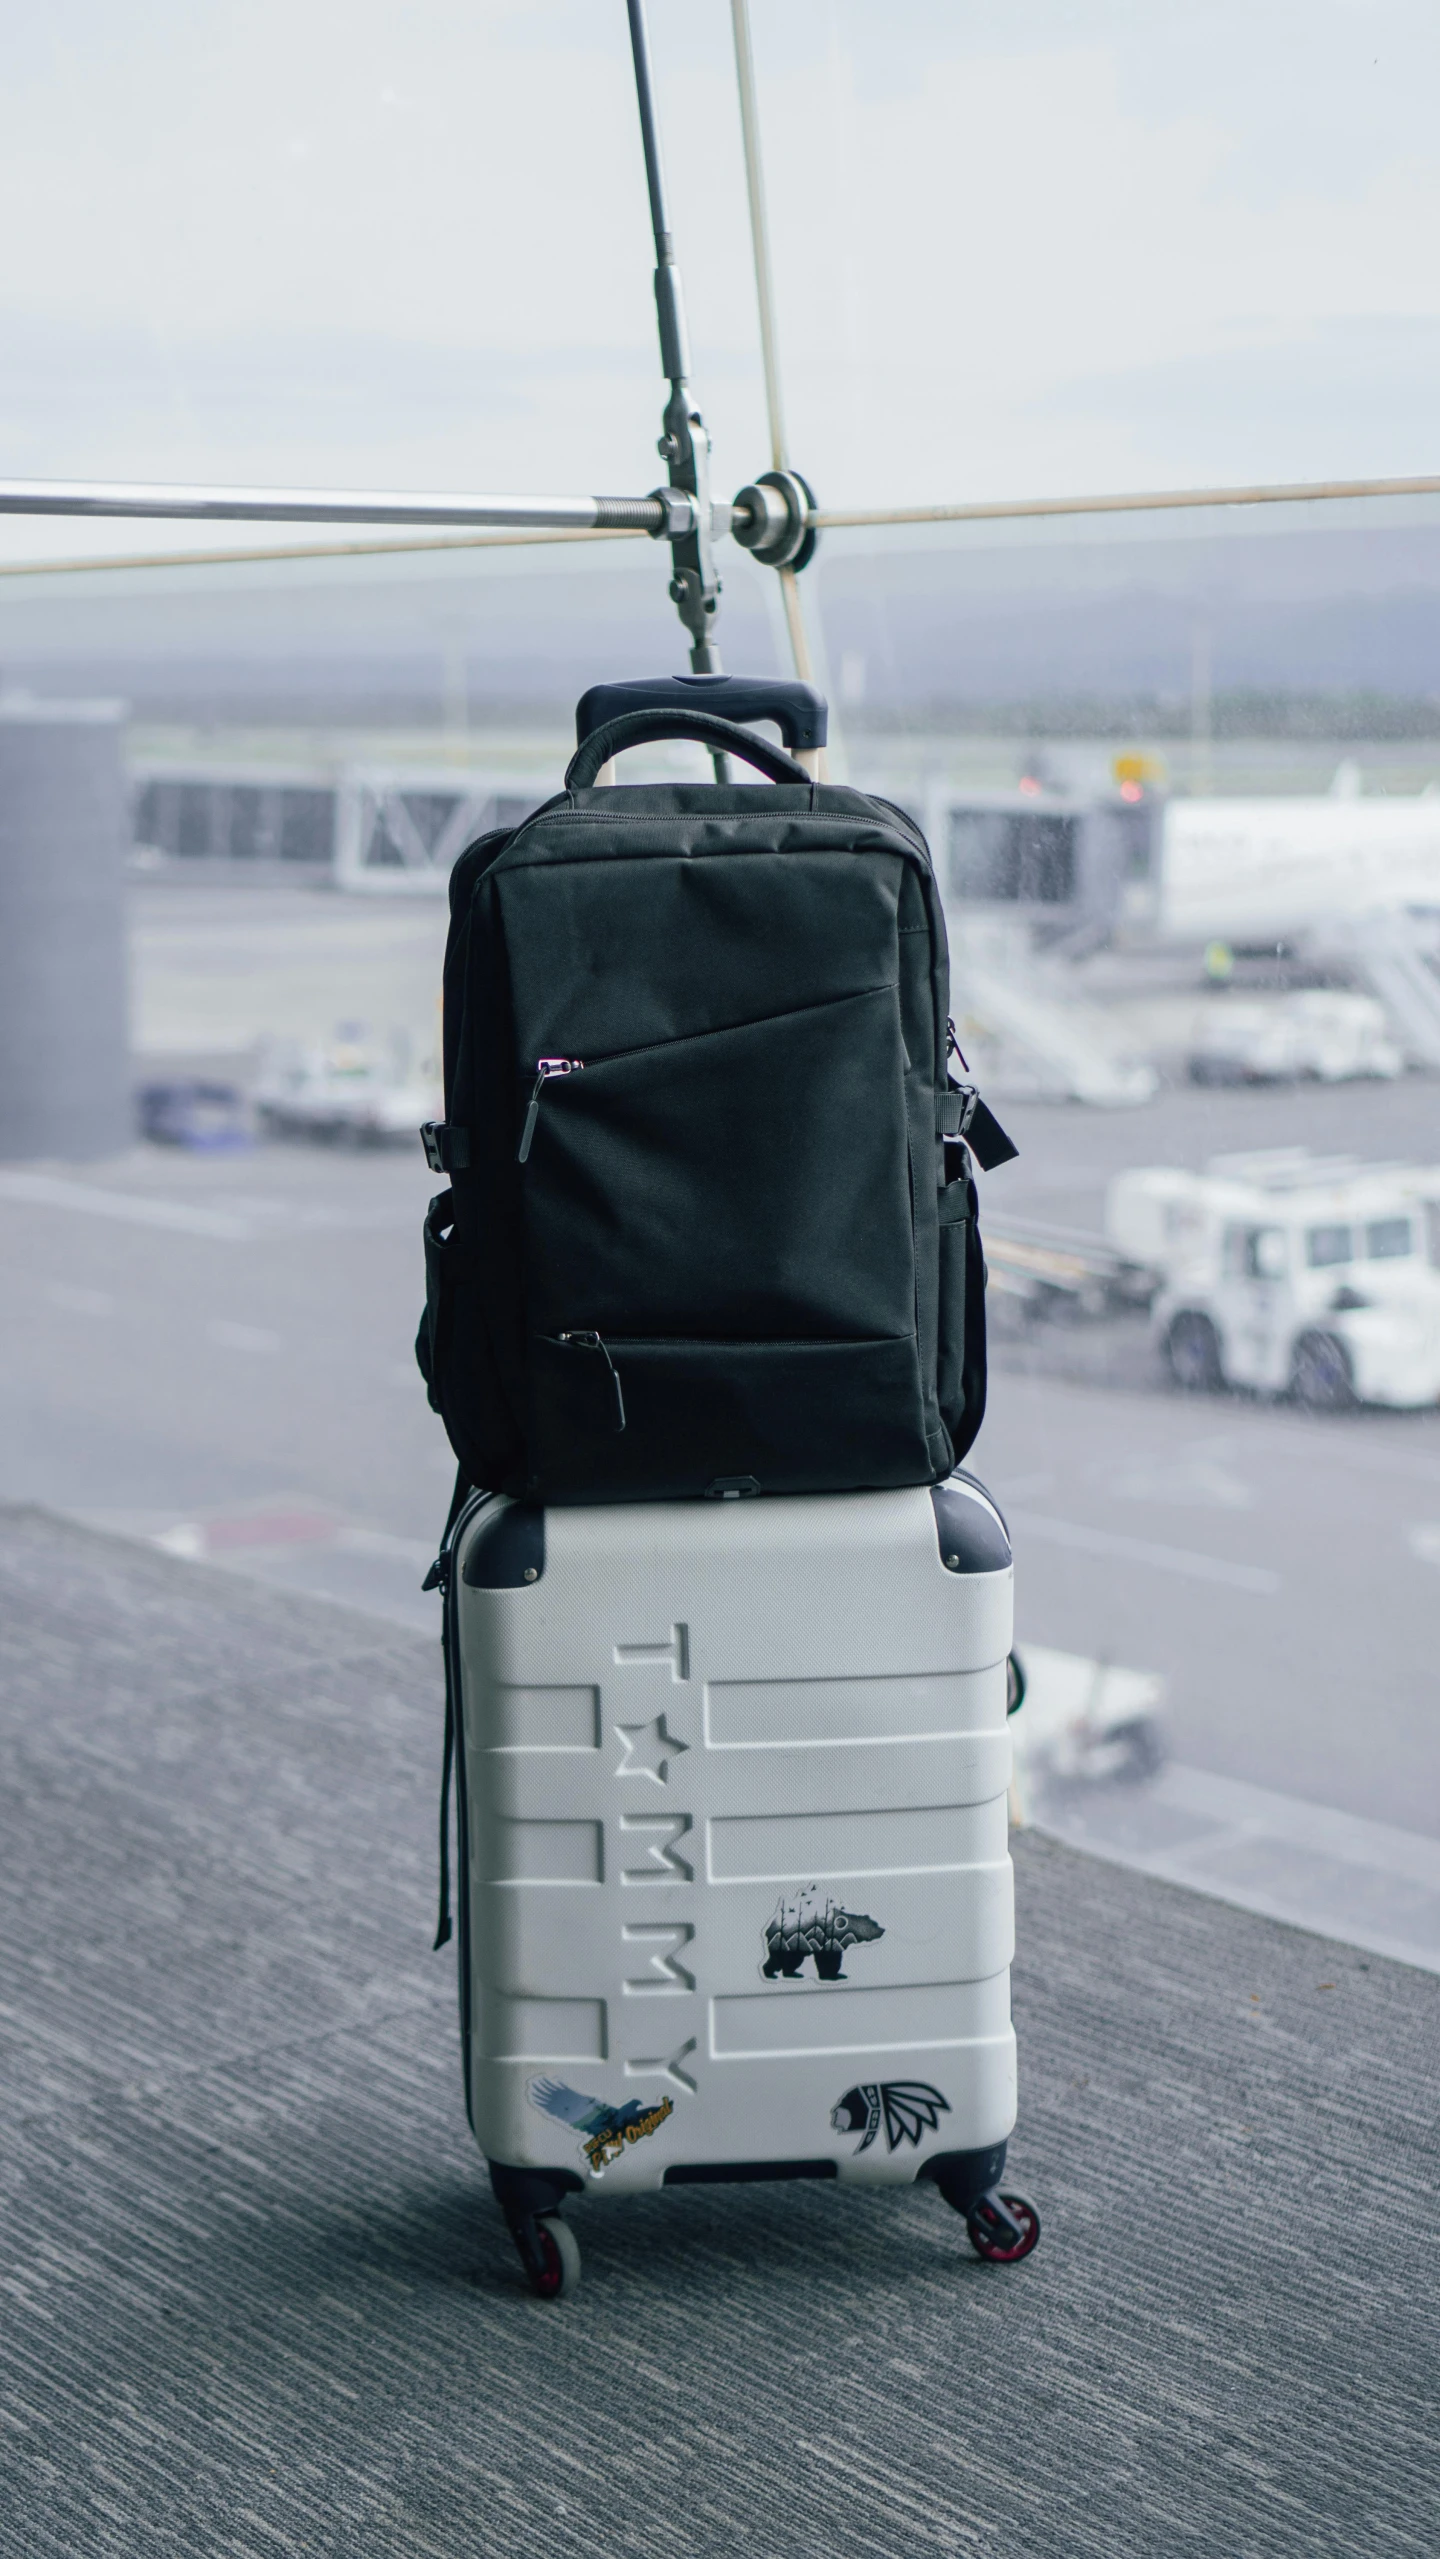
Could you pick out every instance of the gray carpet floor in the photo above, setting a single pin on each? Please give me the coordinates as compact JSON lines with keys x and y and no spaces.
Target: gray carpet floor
{"x":256,"y":2298}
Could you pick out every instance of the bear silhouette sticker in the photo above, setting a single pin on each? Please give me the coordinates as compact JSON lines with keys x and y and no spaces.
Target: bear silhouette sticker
{"x":808,"y":1924}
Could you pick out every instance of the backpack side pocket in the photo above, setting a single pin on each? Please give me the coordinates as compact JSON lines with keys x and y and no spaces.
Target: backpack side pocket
{"x":961,"y":1375}
{"x":454,"y":1356}
{"x":439,"y":1242}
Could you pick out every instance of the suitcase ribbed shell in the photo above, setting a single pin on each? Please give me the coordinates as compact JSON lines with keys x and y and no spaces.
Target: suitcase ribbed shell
{"x":739,"y":1880}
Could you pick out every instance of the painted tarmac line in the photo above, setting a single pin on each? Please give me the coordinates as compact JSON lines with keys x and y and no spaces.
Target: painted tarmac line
{"x":131,"y":1208}
{"x":252,"y":1221}
{"x":1085,"y":1540}
{"x":272,"y":1531}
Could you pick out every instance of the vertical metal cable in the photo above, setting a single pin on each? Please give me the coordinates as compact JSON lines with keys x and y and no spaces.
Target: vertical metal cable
{"x":765,"y":297}
{"x":759,"y":229}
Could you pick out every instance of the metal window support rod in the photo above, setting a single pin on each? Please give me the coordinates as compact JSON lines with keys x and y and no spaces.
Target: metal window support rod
{"x":81,"y":564}
{"x":1130,"y":502}
{"x":656,"y":514}
{"x":573,"y":519}
{"x":333,"y":506}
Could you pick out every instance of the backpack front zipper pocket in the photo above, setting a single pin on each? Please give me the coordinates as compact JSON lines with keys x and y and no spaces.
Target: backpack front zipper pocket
{"x":697,"y":1416}
{"x":592,"y":1342}
{"x":750,"y":1180}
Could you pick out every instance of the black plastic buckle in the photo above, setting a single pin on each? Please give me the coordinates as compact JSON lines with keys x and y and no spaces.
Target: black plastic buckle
{"x":447,"y":1148}
{"x":987,"y":1140}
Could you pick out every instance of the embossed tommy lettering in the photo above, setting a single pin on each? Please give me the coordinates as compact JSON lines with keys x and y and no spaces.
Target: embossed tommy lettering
{"x":662,"y":1941}
{"x":675,"y":1650}
{"x":656,"y":1958}
{"x":669,"y":2066}
{"x":650,"y":1851}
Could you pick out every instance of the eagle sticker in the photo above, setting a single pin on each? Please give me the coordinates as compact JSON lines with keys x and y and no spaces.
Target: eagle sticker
{"x":906,"y":2107}
{"x":807,"y":1924}
{"x":604,"y":2130}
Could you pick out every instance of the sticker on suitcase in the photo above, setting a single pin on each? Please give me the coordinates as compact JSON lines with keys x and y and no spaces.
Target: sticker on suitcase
{"x":906,"y":2107}
{"x":806,"y":1925}
{"x":604,"y":2130}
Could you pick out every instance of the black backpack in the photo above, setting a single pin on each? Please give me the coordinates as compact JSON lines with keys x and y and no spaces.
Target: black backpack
{"x":711,"y":1226}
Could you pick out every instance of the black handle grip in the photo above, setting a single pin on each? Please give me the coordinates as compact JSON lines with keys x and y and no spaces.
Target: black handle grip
{"x":642,"y":728}
{"x":799,"y":712}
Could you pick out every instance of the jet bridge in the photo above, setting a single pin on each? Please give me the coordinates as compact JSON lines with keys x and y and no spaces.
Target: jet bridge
{"x":1031,"y":878}
{"x":1395,"y":955}
{"x":392,"y":829}
{"x":1074,"y":866}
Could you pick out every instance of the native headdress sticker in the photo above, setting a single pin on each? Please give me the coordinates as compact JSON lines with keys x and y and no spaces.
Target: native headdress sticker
{"x":810,"y":1923}
{"x":604,"y":2130}
{"x":906,"y":2107}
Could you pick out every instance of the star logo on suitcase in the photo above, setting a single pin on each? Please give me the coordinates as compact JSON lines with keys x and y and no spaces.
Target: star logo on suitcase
{"x":649,"y":1749}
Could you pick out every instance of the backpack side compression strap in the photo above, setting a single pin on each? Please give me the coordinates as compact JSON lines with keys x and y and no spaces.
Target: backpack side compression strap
{"x":645,"y":728}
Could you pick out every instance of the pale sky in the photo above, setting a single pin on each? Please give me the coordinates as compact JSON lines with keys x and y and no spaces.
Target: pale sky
{"x":1023,"y":248}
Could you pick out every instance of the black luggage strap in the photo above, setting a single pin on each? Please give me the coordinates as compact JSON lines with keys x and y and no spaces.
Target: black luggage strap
{"x":447,"y":1148}
{"x":447,"y":1766}
{"x":438,"y":1578}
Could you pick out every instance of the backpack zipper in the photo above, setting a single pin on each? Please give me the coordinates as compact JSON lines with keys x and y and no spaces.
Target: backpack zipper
{"x":592,"y":1342}
{"x":545,"y":1067}
{"x":548,"y":1066}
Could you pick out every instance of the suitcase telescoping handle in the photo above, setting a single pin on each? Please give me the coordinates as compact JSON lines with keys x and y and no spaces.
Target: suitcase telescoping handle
{"x":643,"y":728}
{"x":798,"y":711}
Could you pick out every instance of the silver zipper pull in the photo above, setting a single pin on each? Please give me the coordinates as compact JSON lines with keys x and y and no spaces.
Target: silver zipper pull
{"x":545,"y":1067}
{"x":592,"y":1342}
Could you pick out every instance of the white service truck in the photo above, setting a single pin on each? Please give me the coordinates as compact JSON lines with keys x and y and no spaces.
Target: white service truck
{"x":1291,"y":1274}
{"x":350,"y":1091}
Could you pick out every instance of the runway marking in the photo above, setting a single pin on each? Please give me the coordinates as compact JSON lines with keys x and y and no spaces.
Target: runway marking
{"x":1196,"y":1477}
{"x":247,"y":1220}
{"x":194,"y":1540}
{"x":1074,"y":1533}
{"x":274,"y":1530}
{"x":132,"y":1208}
{"x":1280,"y":1429}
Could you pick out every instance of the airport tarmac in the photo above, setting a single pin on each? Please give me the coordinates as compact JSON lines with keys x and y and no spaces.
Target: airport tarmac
{"x":213,"y":1354}
{"x":219,"y":962}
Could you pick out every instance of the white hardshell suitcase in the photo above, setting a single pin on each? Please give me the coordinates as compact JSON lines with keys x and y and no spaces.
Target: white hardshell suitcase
{"x":735,"y":1893}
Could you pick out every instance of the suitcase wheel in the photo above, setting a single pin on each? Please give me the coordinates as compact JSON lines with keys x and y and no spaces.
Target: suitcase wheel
{"x":549,"y":2253}
{"x":1003,"y":2228}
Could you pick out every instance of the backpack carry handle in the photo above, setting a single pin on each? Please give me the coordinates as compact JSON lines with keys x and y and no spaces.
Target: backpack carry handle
{"x":645,"y":728}
{"x":798,"y":710}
